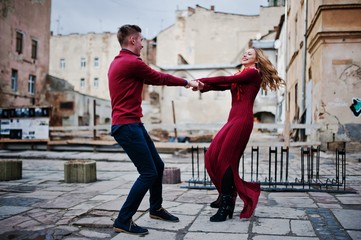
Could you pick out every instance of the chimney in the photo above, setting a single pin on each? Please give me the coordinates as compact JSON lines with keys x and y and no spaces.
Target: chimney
{"x":212,"y":8}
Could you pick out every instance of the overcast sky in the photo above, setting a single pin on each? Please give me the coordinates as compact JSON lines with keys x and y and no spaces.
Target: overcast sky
{"x":153,"y":16}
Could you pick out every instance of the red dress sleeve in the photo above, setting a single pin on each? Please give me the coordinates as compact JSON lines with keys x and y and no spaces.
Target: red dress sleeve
{"x":244,"y":77}
{"x":219,"y":87}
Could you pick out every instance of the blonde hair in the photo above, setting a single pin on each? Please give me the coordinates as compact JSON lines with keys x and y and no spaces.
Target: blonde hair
{"x":269,"y":74}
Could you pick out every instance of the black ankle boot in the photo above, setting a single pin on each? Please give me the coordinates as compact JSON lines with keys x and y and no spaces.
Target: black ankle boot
{"x":217,"y":203}
{"x":226,"y":209}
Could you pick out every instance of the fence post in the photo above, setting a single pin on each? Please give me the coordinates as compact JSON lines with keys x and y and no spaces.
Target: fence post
{"x":270,"y":165}
{"x":257,"y":152}
{"x":284,"y":150}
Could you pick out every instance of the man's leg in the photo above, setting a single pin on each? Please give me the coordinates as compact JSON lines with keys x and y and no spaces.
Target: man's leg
{"x":131,"y":138}
{"x":155,"y":190}
{"x":156,"y":211}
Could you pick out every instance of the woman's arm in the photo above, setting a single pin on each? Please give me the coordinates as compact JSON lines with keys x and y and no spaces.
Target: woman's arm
{"x":245,"y":76}
{"x":219,"y":87}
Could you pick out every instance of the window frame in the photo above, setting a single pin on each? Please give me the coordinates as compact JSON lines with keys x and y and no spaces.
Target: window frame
{"x":96,"y":62}
{"x":82,"y":62}
{"x":19,"y":42}
{"x":14,"y":80}
{"x":62,"y":63}
{"x":34,"y":49}
{"x":96,"y":82}
{"x":31,"y":84}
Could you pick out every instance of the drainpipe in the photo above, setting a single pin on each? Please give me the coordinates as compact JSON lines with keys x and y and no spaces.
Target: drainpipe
{"x":303,"y":85}
{"x":285,"y":51}
{"x":304,"y":70}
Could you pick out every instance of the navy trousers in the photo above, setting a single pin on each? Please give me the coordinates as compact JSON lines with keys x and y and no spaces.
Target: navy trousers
{"x":135,"y":141}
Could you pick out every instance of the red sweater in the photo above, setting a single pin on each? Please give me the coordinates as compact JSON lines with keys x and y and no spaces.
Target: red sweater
{"x":126,"y":76}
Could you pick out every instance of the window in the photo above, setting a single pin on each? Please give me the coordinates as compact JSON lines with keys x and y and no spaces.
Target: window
{"x":96,"y":62}
{"x":14,"y":80}
{"x":67,"y":105}
{"x":82,"y":82}
{"x":34,"y":49}
{"x":82,"y":63}
{"x":19,"y":42}
{"x":62,"y":63}
{"x":31,"y":84}
{"x":96,"y":82}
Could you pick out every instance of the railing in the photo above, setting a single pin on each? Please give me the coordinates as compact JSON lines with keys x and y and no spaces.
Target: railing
{"x":279,"y":172}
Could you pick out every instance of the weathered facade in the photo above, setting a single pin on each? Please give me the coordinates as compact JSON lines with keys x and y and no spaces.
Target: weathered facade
{"x":83,"y":60}
{"x":205,"y":43}
{"x":323,"y":62}
{"x":71,"y":108}
{"x":205,"y":36}
{"x":24,"y":52}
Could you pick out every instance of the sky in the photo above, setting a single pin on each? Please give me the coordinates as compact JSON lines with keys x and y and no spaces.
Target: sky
{"x":153,"y":16}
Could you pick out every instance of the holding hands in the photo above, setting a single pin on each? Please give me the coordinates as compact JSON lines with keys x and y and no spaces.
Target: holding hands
{"x":195,"y":84}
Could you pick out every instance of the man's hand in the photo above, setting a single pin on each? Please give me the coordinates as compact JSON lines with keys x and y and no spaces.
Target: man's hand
{"x":191,"y":83}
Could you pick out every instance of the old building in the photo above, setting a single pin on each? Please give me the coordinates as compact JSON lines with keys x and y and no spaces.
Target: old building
{"x":71,"y":108}
{"x":205,"y":43}
{"x":323,"y":62}
{"x":205,"y":36}
{"x":24,"y":52}
{"x":83,"y":60}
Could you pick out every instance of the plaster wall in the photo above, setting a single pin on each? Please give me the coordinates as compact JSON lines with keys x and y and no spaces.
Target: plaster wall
{"x":32,"y":20}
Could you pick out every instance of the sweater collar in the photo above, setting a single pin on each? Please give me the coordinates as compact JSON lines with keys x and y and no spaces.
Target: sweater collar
{"x":127,"y":50}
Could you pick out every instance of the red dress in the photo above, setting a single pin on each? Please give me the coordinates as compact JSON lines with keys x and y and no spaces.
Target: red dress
{"x":230,"y":142}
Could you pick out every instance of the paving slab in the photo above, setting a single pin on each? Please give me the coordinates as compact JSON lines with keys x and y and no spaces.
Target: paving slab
{"x":349,"y":219}
{"x":95,"y":222}
{"x":349,"y":199}
{"x":268,"y":237}
{"x":302,"y":228}
{"x":280,"y":212}
{"x":146,"y":221}
{"x":183,"y":208}
{"x":355,"y":235}
{"x":7,"y":211}
{"x":234,"y":225}
{"x":273,"y":226}
{"x":153,"y":235}
{"x":214,"y":236}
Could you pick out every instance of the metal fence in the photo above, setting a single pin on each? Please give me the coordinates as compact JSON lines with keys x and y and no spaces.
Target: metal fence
{"x":282,"y":169}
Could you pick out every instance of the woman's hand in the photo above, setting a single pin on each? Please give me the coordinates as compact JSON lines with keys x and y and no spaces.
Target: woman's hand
{"x":193,"y":84}
{"x":199,"y":86}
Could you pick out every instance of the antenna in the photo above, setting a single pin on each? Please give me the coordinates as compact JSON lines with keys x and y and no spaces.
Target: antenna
{"x":58,"y":25}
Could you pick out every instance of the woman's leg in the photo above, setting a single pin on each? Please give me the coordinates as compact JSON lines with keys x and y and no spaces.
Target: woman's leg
{"x":227,"y":187}
{"x":227,"y":200}
{"x":228,"y":182}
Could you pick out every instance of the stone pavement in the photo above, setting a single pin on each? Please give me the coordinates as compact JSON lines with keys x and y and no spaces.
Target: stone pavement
{"x":42,"y":206}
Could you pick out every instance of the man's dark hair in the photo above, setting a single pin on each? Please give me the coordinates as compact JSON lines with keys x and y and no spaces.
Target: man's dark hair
{"x":126,"y":30}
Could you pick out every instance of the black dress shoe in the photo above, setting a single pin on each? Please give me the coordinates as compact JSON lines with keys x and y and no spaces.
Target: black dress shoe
{"x":163,"y":214}
{"x":130,"y":228}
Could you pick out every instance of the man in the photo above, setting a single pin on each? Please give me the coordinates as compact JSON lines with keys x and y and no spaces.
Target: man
{"x":127,"y":74}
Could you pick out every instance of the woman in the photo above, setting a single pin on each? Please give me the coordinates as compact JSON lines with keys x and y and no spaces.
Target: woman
{"x":224,"y":153}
